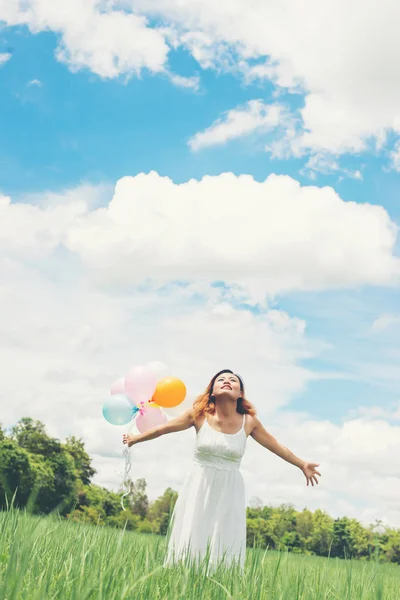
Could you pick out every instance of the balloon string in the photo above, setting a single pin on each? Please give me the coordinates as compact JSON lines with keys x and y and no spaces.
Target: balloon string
{"x":126,"y":479}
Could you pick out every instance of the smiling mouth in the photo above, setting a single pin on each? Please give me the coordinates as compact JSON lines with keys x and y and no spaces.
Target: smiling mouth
{"x":226,"y":386}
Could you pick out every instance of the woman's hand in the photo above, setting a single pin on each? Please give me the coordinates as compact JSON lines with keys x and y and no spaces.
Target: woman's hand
{"x":130,"y":439}
{"x":310,"y":472}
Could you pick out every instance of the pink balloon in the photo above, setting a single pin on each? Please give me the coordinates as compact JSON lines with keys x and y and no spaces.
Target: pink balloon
{"x":140,"y":384}
{"x":118,"y":387}
{"x":150,"y":416}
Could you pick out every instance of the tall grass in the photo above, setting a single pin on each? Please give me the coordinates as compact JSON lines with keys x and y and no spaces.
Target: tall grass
{"x":43,"y":558}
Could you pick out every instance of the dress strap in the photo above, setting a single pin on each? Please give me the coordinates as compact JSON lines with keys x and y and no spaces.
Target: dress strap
{"x":244,"y":419}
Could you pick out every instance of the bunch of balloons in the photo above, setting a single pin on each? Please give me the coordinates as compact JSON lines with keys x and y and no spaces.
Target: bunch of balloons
{"x":144,"y":394}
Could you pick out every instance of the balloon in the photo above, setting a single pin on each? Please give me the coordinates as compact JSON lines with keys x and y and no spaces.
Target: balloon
{"x":149,"y":417}
{"x":140,"y":384}
{"x":169,"y":392}
{"x":118,"y":409}
{"x":118,"y":387}
{"x":159,"y":369}
{"x":151,"y":403}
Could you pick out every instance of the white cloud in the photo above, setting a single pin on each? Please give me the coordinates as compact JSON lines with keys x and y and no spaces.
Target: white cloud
{"x":86,"y":196}
{"x":346,"y":67}
{"x":377,"y":412}
{"x":93,"y":35}
{"x":327,"y":164}
{"x":255,"y":115}
{"x":191,"y":83}
{"x":65,"y":339}
{"x":394,"y":156}
{"x":322,"y":163}
{"x":4,"y":57}
{"x":284,"y":237}
{"x":385,"y":321}
{"x":42,"y":220}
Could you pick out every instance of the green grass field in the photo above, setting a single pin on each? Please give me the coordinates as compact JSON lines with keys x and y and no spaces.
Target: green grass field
{"x":49,"y":558}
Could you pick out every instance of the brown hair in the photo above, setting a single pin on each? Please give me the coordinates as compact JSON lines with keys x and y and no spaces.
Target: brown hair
{"x":205,"y":405}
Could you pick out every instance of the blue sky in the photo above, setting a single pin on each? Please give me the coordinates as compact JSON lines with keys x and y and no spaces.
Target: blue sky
{"x":78,"y":124}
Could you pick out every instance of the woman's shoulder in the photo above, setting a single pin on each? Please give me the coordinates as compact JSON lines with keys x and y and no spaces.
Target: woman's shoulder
{"x":251,"y":421}
{"x":198,"y":418}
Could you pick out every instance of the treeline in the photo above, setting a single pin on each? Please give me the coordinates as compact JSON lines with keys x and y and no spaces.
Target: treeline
{"x":317,"y":533}
{"x":45,"y":475}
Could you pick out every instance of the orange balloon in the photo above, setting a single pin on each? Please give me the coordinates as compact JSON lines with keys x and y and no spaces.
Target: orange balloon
{"x":169,"y":392}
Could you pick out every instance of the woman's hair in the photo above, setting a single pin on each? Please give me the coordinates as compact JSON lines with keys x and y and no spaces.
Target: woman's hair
{"x":204,"y":404}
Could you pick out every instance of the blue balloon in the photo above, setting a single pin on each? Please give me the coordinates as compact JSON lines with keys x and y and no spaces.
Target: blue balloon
{"x":119,"y":410}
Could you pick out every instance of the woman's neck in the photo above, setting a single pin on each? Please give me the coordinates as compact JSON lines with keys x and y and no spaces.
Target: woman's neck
{"x":225,"y":409}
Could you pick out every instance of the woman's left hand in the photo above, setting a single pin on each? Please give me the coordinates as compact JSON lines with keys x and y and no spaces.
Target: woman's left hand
{"x":310,"y":472}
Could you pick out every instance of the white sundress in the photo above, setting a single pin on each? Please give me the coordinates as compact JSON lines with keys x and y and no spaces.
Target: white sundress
{"x":209,"y":518}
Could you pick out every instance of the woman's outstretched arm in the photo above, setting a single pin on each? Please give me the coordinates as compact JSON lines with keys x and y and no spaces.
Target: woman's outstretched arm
{"x":263,"y":437}
{"x":184,"y":421}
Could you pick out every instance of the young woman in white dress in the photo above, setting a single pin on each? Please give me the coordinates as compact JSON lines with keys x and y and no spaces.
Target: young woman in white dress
{"x":209,"y":518}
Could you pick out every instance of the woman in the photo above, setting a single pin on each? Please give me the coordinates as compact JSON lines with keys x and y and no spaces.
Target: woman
{"x":209,"y":518}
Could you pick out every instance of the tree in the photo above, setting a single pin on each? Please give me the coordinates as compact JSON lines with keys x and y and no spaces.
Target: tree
{"x":266,"y":512}
{"x":322,"y":533}
{"x":392,"y":546}
{"x":43,"y":482}
{"x":106,"y":502}
{"x":31,"y":435}
{"x":361,"y":539}
{"x":54,"y":481}
{"x":88,"y":514}
{"x":304,"y":527}
{"x":260,"y":533}
{"x":304,"y":523}
{"x":259,"y":512}
{"x":160,"y":510}
{"x":342,"y":543}
{"x":125,"y":519}
{"x":291,"y":540}
{"x":82,"y":460}
{"x":63,"y":493}
{"x":138,"y":499}
{"x":256,"y":503}
{"x":283,"y":520}
{"x":16,"y":474}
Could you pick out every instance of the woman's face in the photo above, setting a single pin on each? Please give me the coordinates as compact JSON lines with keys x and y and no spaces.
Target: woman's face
{"x":227,"y":384}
